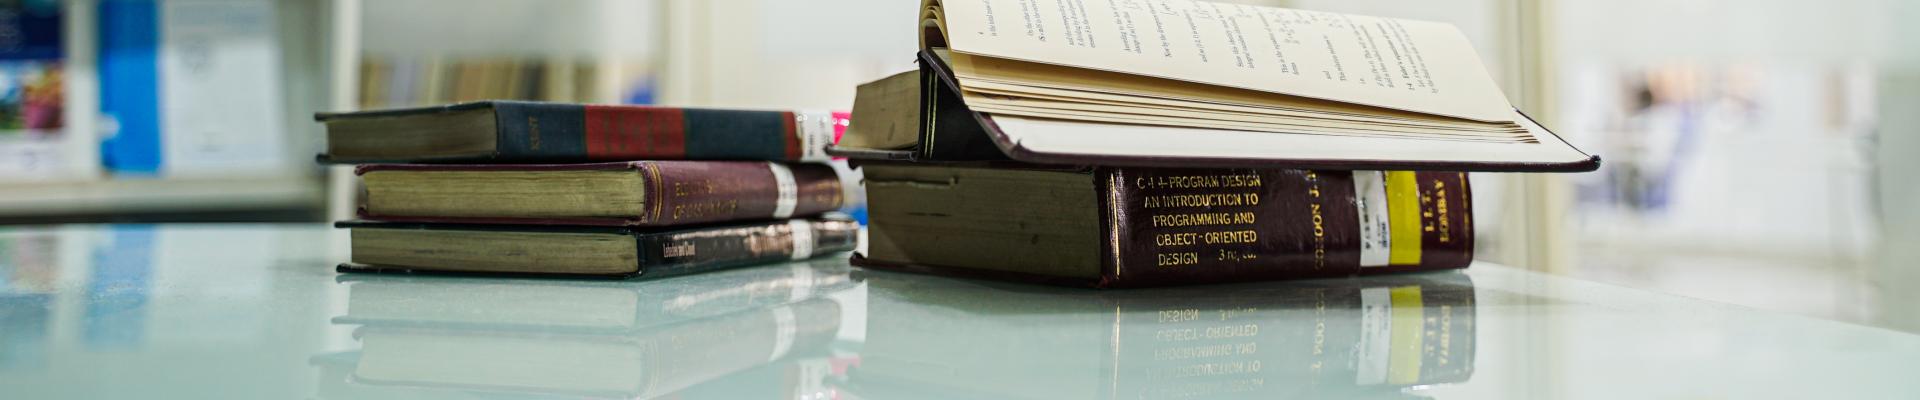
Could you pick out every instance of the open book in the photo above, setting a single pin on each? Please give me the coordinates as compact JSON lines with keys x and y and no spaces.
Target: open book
{"x":1179,"y":83}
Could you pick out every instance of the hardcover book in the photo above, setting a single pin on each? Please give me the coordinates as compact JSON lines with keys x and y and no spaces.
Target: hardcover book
{"x":521,"y":132}
{"x":607,"y":251}
{"x":638,"y":193}
{"x":1114,"y":227}
{"x":1336,"y":338}
{"x":1264,"y":87}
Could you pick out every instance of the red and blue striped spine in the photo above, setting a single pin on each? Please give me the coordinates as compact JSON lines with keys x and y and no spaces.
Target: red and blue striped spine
{"x":575,"y":133}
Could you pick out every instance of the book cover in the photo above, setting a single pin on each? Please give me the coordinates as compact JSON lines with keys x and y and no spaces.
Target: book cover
{"x":670,"y":193}
{"x":1167,"y":226}
{"x":642,"y":253}
{"x":542,"y":132}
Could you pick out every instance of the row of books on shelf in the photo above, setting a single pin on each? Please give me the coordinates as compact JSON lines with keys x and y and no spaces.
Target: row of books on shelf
{"x":1001,"y":157}
{"x":823,"y":330}
{"x":420,"y":80}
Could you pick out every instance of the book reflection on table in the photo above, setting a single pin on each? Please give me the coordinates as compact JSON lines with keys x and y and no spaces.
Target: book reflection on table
{"x":1374,"y":337}
{"x":463,"y":338}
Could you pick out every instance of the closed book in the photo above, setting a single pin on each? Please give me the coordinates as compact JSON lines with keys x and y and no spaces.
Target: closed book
{"x":607,"y":251}
{"x":1115,"y":227}
{"x":637,"y":193}
{"x":536,"y":132}
{"x":581,"y":305}
{"x":1380,"y":337}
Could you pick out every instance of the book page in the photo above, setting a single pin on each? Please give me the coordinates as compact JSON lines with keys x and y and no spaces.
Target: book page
{"x":1409,"y":65}
{"x":1186,"y":121}
{"x":976,"y":71}
{"x":1001,"y":103}
{"x":1088,"y":140}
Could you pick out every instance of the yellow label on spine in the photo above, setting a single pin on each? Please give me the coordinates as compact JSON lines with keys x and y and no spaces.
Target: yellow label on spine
{"x":1404,"y":351}
{"x":1403,"y":208}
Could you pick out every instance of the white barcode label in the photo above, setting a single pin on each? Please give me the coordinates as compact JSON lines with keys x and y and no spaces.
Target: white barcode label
{"x":788,"y":193}
{"x":1376,"y":234}
{"x":802,"y":234}
{"x":815,"y":130}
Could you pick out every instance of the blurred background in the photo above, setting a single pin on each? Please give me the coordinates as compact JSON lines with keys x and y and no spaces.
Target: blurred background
{"x":1752,"y":148}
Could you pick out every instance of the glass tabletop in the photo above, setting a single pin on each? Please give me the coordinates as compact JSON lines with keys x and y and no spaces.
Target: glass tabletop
{"x":257,"y":311}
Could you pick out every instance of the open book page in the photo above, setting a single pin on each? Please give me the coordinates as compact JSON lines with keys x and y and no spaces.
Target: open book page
{"x":1134,"y":118}
{"x":976,"y":71}
{"x":1402,"y":64}
{"x":1088,"y":140}
{"x":997,"y":105}
{"x":1207,"y":108}
{"x":1182,"y":102}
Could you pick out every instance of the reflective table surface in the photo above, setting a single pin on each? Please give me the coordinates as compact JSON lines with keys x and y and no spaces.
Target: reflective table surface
{"x":257,"y":312}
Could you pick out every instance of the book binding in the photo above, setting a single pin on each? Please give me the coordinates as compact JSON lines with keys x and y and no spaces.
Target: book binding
{"x":664,"y":253}
{"x":1169,"y":227}
{"x":564,"y":132}
{"x":678,"y":192}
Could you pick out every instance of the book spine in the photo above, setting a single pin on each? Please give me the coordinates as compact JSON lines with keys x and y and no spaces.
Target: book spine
{"x":690,"y":192}
{"x":1188,"y":226}
{"x":574,"y":132}
{"x":949,"y":131}
{"x":679,"y":253}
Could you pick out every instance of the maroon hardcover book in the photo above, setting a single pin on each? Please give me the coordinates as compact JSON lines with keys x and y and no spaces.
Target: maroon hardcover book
{"x":1166,"y":226}
{"x":664,"y":193}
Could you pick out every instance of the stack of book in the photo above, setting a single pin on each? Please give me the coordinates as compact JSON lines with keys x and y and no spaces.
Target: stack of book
{"x":587,"y":190}
{"x":1159,"y":142}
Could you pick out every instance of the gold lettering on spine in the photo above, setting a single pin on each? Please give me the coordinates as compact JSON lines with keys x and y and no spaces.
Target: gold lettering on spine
{"x":1202,"y":200}
{"x":1198,"y":181}
{"x":684,"y":189}
{"x":533,"y":132}
{"x":1204,"y":219}
{"x":1435,"y":213}
{"x":1176,"y":259}
{"x":705,"y":209}
{"x":1211,"y":208}
{"x":1319,"y":221}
